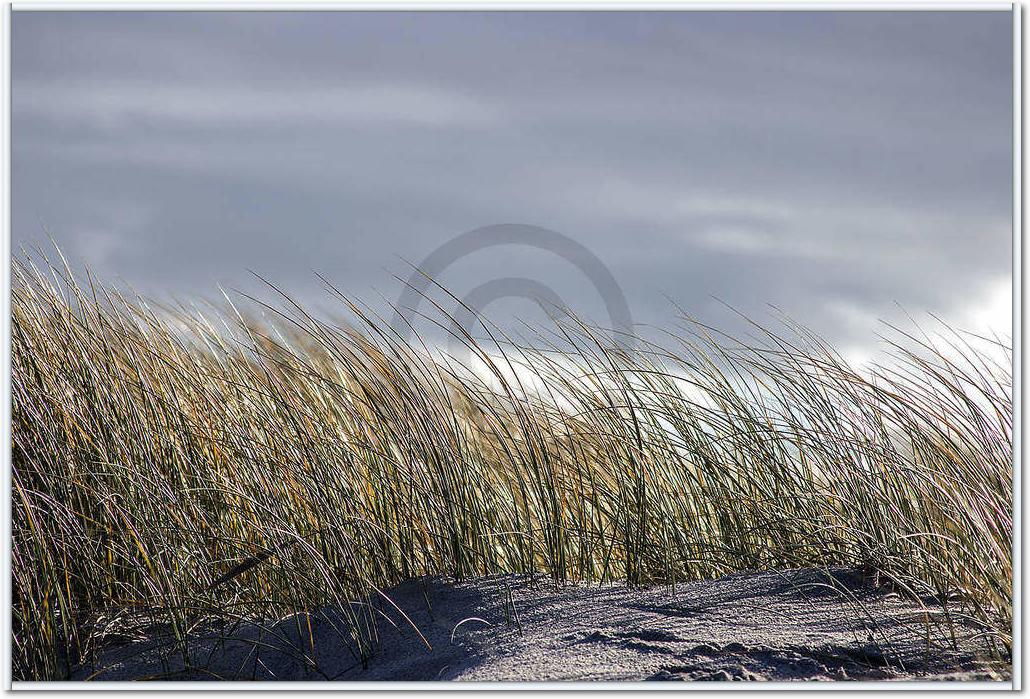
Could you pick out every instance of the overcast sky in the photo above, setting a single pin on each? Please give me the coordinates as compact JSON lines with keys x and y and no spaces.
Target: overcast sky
{"x":831,"y":164}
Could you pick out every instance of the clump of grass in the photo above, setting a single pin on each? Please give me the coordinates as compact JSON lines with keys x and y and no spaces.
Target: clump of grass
{"x":179,"y":467}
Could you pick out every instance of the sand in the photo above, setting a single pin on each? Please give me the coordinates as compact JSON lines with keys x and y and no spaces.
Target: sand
{"x":778,"y":626}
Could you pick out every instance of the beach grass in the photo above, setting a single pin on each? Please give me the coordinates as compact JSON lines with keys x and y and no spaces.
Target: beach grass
{"x":244,"y":460}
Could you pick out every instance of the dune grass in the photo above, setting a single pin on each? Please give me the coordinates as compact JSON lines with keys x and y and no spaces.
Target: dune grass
{"x":179,"y":468}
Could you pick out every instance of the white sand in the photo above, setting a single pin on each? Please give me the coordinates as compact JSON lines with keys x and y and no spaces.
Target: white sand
{"x":782,"y":625}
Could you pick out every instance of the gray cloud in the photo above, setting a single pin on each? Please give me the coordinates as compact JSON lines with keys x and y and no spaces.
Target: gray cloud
{"x":832,"y":164}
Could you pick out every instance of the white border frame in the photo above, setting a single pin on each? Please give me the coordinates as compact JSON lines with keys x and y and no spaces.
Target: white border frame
{"x":502,"y":5}
{"x":1019,"y":415}
{"x":5,"y":351}
{"x":507,"y":5}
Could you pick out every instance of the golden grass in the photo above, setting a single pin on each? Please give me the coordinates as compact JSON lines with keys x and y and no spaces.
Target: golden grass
{"x":184,"y":466}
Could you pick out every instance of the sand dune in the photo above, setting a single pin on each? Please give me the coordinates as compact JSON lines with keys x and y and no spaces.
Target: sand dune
{"x":781,"y":625}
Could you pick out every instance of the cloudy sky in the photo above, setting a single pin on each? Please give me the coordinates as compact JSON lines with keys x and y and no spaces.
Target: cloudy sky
{"x":834,"y":165}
